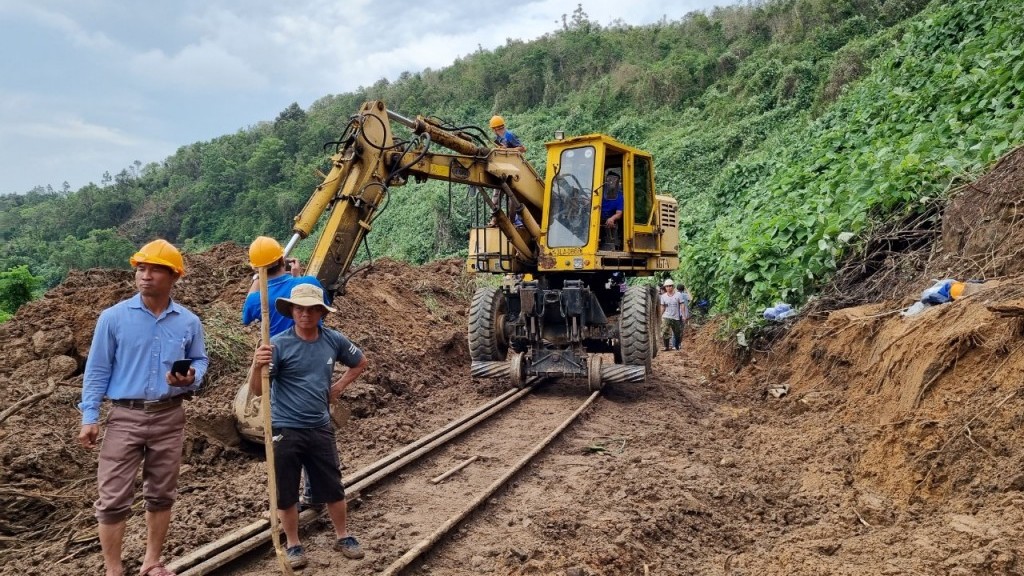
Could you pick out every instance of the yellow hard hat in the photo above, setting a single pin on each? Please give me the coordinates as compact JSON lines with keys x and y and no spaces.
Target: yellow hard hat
{"x":956,"y":289}
{"x":264,"y":251}
{"x":497,"y":122}
{"x":162,"y":253}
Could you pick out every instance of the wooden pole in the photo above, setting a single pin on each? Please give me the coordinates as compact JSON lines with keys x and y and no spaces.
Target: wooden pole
{"x":268,"y":434}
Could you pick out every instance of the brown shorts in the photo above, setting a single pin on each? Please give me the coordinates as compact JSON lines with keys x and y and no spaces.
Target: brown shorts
{"x":153,"y":439}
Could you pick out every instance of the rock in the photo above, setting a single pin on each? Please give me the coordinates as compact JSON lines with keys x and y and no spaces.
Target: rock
{"x":53,"y":342}
{"x":575,"y":571}
{"x":874,"y":509}
{"x":518,"y":554}
{"x":477,"y":561}
{"x":39,"y":371}
{"x":16,"y":354}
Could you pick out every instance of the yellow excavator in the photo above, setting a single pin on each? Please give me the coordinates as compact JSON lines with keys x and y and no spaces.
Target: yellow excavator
{"x":564,"y":300}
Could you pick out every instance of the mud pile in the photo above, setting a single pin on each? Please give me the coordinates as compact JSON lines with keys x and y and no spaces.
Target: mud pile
{"x":911,"y":426}
{"x":400,"y":315}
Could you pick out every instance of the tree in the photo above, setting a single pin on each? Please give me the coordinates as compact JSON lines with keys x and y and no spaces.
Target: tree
{"x":16,"y":287}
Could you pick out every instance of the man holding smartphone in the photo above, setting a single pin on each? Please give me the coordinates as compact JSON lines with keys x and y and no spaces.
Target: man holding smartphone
{"x":131,"y":361}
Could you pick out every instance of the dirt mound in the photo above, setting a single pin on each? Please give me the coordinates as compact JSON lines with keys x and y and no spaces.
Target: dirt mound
{"x":911,"y":426}
{"x":400,"y":315}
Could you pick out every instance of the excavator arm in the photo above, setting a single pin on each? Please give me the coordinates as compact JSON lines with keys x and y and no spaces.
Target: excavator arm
{"x":369,"y":160}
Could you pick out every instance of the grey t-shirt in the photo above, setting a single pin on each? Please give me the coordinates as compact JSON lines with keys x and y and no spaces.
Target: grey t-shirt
{"x":301,"y":376}
{"x":675,"y":306}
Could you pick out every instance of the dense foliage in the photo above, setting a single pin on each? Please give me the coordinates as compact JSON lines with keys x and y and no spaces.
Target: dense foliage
{"x":784,"y":128}
{"x":16,"y":288}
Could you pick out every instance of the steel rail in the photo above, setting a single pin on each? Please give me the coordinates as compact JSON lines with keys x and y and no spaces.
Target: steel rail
{"x":427,"y":543}
{"x":215,"y":554}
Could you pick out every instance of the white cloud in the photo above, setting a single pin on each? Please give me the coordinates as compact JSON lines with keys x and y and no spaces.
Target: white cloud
{"x":204,"y":67}
{"x":75,"y":130}
{"x":93,"y":85}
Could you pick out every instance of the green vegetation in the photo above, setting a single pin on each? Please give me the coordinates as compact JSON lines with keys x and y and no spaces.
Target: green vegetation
{"x":17,"y":286}
{"x":785,"y":129}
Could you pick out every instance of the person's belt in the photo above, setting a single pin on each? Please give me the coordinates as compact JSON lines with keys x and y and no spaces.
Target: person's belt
{"x":150,"y":405}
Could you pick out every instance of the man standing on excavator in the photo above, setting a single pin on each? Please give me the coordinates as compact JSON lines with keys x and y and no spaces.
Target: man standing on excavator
{"x":503,"y":137}
{"x":135,"y":344}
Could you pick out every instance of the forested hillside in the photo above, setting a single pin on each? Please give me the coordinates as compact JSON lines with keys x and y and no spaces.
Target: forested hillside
{"x":785,"y":129}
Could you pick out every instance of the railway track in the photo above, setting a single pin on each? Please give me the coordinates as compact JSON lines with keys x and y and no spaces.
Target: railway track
{"x":415,"y":496}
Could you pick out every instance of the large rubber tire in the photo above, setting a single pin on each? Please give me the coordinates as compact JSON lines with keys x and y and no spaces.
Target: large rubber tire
{"x":654,"y":323}
{"x":594,"y":373}
{"x":635,"y":338}
{"x":486,"y":325}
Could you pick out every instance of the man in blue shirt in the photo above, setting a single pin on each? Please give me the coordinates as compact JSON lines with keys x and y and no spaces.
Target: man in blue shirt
{"x":503,"y":137}
{"x":301,"y":363}
{"x":611,"y":211}
{"x":133,"y":347}
{"x":280,"y":280}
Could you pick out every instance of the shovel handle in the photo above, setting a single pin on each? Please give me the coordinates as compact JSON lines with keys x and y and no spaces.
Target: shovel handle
{"x":268,"y":433}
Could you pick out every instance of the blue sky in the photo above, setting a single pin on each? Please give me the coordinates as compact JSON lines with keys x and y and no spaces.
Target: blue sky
{"x":91,"y":86}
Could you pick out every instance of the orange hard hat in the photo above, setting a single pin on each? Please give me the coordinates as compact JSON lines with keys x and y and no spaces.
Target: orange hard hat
{"x":264,"y":251}
{"x":956,"y":289}
{"x":497,"y":122}
{"x":162,"y":253}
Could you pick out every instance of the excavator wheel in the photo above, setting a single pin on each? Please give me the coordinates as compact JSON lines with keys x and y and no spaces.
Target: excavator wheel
{"x":487,"y":325}
{"x":635,"y":338}
{"x":594,"y":372}
{"x":517,"y":369}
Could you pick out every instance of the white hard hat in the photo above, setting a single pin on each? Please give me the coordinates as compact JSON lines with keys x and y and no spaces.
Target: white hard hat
{"x":669,"y":282}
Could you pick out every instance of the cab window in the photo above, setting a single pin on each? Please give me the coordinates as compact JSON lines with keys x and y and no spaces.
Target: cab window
{"x":643,"y":191}
{"x":572,"y":198}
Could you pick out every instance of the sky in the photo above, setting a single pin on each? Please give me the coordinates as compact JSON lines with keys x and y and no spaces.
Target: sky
{"x":92,"y":86}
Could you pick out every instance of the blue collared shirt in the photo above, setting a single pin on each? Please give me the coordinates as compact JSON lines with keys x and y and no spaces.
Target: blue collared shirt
{"x":132,"y":352}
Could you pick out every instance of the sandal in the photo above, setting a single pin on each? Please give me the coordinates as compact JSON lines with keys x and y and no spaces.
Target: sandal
{"x":157,"y":570}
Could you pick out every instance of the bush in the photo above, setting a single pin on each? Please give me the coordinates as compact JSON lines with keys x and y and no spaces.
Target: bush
{"x":17,"y":286}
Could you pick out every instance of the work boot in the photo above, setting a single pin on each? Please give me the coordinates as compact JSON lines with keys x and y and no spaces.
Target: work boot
{"x":667,"y":347}
{"x":296,"y":556}
{"x":349,"y":547}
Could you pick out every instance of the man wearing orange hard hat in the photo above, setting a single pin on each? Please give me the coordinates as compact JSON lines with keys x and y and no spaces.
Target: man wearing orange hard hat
{"x":504,"y":137}
{"x":147,"y":355}
{"x":282,"y":275}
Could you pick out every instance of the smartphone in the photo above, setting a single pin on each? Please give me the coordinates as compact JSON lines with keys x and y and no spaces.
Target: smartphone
{"x":181,"y":367}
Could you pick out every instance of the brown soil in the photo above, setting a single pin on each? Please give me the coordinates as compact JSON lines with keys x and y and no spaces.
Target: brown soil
{"x":896,"y":451}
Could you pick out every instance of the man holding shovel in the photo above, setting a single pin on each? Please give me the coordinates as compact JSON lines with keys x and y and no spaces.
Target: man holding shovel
{"x":301,"y":363}
{"x":283,"y":274}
